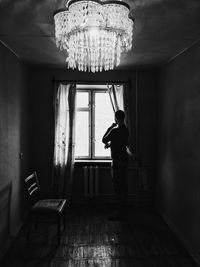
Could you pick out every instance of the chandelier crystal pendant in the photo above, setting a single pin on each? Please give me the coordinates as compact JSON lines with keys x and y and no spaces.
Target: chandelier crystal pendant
{"x":93,"y":33}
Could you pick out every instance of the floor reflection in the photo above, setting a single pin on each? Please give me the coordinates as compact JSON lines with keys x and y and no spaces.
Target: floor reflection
{"x":92,"y":240}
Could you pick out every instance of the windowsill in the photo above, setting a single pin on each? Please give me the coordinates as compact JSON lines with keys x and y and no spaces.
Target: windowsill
{"x":93,"y":161}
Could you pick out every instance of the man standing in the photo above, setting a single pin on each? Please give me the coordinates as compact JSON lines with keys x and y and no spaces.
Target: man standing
{"x":116,"y":137}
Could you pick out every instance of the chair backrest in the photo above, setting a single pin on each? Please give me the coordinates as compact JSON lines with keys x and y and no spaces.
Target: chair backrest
{"x":32,"y":187}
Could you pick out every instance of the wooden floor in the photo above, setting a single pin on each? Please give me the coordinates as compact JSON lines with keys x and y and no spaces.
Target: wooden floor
{"x":91,"y":239}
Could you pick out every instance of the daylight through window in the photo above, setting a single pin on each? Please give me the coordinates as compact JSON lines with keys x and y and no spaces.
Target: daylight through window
{"x":94,"y":115}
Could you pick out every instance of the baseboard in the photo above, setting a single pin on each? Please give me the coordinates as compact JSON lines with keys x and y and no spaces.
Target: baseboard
{"x":6,"y":246}
{"x":9,"y":241}
{"x":195,"y":256}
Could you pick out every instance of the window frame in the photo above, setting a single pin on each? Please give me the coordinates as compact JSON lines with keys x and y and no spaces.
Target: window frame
{"x":91,"y":110}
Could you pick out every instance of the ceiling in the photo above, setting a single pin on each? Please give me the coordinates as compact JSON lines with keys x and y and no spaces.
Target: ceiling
{"x":162,"y":30}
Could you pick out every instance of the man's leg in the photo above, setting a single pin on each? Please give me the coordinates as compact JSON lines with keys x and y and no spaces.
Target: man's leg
{"x":123,"y":189}
{"x":119,"y":176}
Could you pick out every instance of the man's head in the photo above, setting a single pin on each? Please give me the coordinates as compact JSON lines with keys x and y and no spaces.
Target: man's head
{"x":119,"y":116}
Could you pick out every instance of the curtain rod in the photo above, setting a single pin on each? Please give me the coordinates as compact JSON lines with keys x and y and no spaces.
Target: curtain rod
{"x":89,"y":82}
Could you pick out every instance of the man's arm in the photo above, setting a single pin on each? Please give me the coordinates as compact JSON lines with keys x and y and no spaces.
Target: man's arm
{"x":107,"y":136}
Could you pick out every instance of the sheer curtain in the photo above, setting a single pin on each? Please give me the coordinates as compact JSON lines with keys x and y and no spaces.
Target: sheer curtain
{"x":116,"y":96}
{"x":120,"y":98}
{"x":64,"y":140}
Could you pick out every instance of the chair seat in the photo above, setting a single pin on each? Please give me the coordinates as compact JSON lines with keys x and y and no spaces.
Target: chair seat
{"x":44,"y":210}
{"x":49,"y":205}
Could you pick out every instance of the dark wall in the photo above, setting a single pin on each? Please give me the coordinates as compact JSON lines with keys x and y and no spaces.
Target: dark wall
{"x":178,"y":181}
{"x":147,"y":84}
{"x":143,"y":89}
{"x":13,"y":141}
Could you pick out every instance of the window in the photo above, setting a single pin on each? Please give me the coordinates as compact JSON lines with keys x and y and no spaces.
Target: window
{"x":94,"y":115}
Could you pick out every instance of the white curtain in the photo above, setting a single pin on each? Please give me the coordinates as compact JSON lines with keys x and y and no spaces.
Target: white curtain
{"x":116,"y":96}
{"x":62,"y":126}
{"x":63,"y":166}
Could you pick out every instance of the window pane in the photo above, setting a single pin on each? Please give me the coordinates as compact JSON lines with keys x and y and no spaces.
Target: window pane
{"x":82,"y":134}
{"x":82,"y":99}
{"x":104,"y":117}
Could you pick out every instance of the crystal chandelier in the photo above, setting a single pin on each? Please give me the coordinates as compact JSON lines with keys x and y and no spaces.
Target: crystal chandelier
{"x":93,"y":33}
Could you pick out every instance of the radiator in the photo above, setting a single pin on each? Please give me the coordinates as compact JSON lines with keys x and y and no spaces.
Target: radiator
{"x":91,"y":181}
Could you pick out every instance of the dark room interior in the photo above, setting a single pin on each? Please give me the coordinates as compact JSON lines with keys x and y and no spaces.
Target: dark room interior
{"x":162,"y":71}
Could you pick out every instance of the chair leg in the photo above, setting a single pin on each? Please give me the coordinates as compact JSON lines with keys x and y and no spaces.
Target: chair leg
{"x":28,"y":228}
{"x":64,"y":218}
{"x":36,"y":221}
{"x":58,"y":230}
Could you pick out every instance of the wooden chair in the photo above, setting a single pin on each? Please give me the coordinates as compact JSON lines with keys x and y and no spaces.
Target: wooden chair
{"x":44,"y":210}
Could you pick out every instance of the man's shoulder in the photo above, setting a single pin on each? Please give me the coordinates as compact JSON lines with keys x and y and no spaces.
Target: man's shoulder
{"x":120,"y":129}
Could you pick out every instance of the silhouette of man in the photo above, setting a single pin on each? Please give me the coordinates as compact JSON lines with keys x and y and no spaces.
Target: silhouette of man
{"x":116,"y":137}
